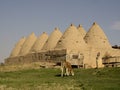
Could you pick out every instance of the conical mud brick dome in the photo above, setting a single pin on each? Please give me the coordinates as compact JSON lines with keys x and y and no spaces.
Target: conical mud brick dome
{"x":17,"y":47}
{"x":81,"y":30}
{"x":39,"y":42}
{"x":96,"y":38}
{"x":52,"y":40}
{"x":28,"y":44}
{"x":71,"y":40}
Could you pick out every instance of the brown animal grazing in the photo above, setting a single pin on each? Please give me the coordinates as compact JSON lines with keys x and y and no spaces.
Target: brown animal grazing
{"x":66,"y":68}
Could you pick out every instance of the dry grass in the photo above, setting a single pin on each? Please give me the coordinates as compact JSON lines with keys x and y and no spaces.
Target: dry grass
{"x":34,"y":65}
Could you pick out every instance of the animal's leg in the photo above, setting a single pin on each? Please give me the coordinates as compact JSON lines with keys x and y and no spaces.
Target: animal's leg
{"x":62,"y":71}
{"x":72,"y":72}
{"x":67,"y":71}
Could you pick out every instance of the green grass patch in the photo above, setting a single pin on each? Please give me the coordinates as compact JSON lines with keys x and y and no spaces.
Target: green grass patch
{"x":84,"y":79}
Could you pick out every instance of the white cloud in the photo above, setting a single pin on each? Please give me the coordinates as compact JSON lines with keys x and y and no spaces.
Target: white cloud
{"x":116,"y":25}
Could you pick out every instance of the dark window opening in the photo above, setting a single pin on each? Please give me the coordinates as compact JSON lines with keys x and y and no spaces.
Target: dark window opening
{"x":75,"y":56}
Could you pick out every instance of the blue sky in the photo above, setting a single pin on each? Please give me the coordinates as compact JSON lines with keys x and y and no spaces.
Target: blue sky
{"x":19,"y":18}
